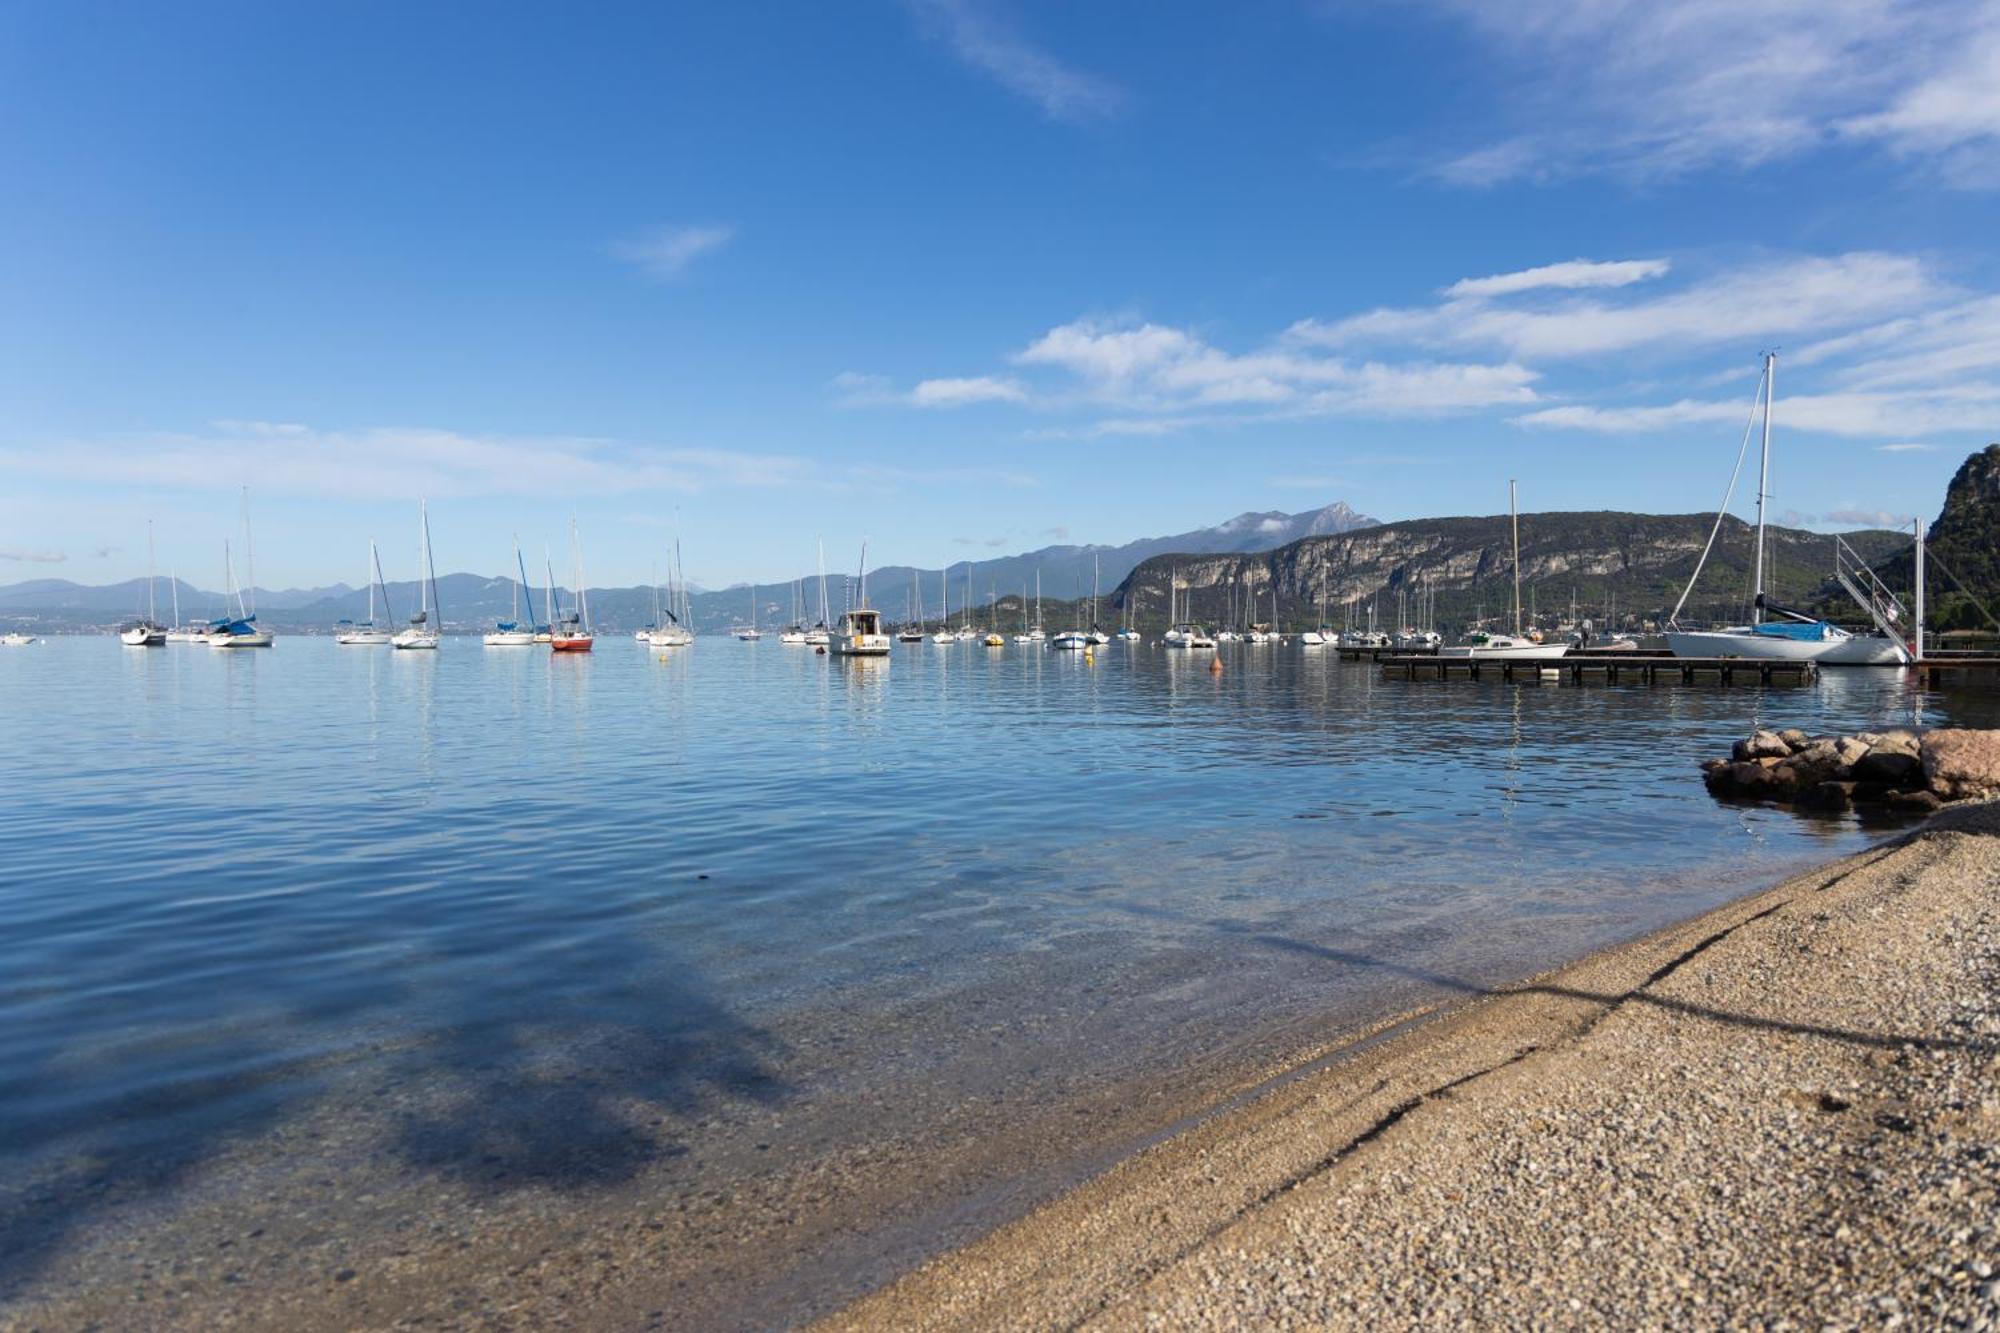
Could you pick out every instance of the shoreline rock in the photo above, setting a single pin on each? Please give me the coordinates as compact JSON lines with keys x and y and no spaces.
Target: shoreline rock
{"x":1906,"y":771}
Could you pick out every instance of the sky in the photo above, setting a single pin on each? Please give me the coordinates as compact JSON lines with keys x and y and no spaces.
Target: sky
{"x":966,"y":277}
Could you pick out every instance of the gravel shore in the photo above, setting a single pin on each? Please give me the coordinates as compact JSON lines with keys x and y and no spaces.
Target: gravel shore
{"x":1785,"y":1113}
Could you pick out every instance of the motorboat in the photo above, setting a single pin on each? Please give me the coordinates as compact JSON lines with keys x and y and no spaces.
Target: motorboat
{"x":859,"y":635}
{"x":1070,"y":640}
{"x":16,"y":639}
{"x":1518,"y":648}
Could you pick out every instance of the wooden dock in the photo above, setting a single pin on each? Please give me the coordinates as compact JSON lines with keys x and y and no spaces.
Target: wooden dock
{"x":1946,"y":663}
{"x":1610,"y":668}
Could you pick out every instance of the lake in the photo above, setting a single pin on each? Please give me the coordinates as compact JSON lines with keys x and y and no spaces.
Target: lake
{"x":715,"y":986}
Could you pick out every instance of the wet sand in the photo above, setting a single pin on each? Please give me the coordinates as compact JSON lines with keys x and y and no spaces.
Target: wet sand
{"x":1786,"y":1110}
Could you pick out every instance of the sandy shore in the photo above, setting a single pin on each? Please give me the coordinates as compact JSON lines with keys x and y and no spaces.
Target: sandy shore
{"x":1785,"y":1112}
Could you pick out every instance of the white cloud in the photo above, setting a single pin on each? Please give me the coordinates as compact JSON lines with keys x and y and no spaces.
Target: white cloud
{"x":963,"y":391}
{"x":1868,"y":518}
{"x":1905,"y":448}
{"x":666,"y":252}
{"x":1645,"y":90}
{"x":31,"y":557}
{"x":1063,"y":93}
{"x":400,"y":460}
{"x":1773,"y":298}
{"x":1571,"y":274}
{"x":1102,"y":351}
{"x":1862,"y":415}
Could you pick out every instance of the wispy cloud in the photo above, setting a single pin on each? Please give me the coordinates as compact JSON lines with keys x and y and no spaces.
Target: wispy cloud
{"x":1769,"y":299}
{"x":1898,"y":354}
{"x":1644,"y":90}
{"x":405,"y":460}
{"x":665,"y":252}
{"x":1905,"y":448}
{"x":1571,"y":274}
{"x":961,"y":392}
{"x":852,"y":389}
{"x":979,"y":39}
{"x":23,"y":555}
{"x":1868,"y":518}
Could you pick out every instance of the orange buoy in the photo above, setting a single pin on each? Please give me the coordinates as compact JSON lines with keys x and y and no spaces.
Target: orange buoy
{"x":1214,"y":666}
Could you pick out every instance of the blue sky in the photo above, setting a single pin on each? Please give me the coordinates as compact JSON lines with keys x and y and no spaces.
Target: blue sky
{"x":968,"y":276}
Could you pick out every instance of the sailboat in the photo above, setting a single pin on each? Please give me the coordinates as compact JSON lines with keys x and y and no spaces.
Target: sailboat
{"x":1129,"y":634}
{"x":421,"y":634}
{"x":750,"y":633}
{"x":1794,"y":635}
{"x":192,"y":631}
{"x":859,"y":633}
{"x":147,"y":633}
{"x":511,"y":633}
{"x":944,"y":634}
{"x":796,"y":631}
{"x":993,"y":637}
{"x":240,"y":631}
{"x":676,"y":631}
{"x":1096,"y":635}
{"x":913,"y":631}
{"x":1516,"y":646}
{"x":1038,"y":634}
{"x":367,"y":631}
{"x":1184,"y":634}
{"x":571,"y":633}
{"x":820,"y":634}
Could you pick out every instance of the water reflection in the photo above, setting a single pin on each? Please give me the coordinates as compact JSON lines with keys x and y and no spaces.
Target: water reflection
{"x":550,"y":917}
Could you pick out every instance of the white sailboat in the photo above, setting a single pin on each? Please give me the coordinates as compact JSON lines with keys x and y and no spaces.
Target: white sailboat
{"x":821,"y":634}
{"x":367,"y":632}
{"x":1096,"y":636}
{"x":944,"y":634}
{"x":1794,"y":635}
{"x":750,"y":633}
{"x":796,"y":631}
{"x":511,"y":633}
{"x":147,"y":633}
{"x":1516,"y":646}
{"x":421,"y":633}
{"x":676,"y":631}
{"x":241,"y":631}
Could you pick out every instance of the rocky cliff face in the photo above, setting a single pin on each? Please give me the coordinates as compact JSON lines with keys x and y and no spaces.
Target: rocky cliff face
{"x":1635,"y":562}
{"x":1965,"y":541}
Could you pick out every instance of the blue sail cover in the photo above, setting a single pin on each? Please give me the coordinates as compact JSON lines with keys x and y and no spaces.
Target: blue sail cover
{"x":1793,"y":629}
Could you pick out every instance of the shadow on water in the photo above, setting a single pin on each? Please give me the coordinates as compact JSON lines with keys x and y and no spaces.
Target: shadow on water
{"x":567,"y":1071}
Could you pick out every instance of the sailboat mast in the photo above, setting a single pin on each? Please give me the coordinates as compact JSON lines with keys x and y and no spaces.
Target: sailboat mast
{"x":174,"y":580}
{"x":1514,"y":514}
{"x":152,"y":613}
{"x":1763,"y":485}
{"x":373,"y":561}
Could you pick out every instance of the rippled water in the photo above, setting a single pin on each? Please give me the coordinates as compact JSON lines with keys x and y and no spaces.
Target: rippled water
{"x":703,"y":926}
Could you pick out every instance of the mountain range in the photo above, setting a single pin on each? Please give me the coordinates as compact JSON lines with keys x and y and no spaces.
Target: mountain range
{"x":471,"y":600}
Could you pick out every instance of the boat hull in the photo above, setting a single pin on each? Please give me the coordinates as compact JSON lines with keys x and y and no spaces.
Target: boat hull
{"x":260,"y":639}
{"x":1525,"y":652}
{"x":509,"y":639}
{"x":579,"y":643}
{"x":1846,"y":650}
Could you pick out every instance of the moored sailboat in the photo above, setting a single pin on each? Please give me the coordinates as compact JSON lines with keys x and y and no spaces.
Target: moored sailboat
{"x":511,"y":633}
{"x":367,"y":632}
{"x":1793,"y":635}
{"x":421,"y":633}
{"x":571,"y":633}
{"x":147,"y":633}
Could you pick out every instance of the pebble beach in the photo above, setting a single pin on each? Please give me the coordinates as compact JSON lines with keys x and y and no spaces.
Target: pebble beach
{"x":1784,"y":1113}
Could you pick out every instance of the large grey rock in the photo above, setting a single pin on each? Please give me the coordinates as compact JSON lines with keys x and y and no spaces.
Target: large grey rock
{"x":1890,"y":767}
{"x":1961,"y":764}
{"x":1761,"y":745}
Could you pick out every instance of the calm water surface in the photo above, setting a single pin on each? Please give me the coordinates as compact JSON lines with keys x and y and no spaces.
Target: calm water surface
{"x":749,"y":925}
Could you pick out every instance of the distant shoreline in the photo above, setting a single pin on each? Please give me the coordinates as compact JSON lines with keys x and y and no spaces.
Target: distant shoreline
{"x":1717,"y":1098}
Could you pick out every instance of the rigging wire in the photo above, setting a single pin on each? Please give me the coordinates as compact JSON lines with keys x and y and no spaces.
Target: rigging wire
{"x":1742,"y":452}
